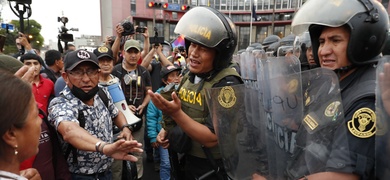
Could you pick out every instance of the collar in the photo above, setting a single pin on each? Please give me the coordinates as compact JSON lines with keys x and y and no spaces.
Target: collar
{"x":9,"y":175}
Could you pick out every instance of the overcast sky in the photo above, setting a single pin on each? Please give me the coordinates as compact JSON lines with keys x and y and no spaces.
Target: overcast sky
{"x":82,"y":14}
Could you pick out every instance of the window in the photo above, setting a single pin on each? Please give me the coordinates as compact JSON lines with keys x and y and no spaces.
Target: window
{"x":243,"y":37}
{"x":279,"y":31}
{"x":172,"y":34}
{"x":133,"y":8}
{"x":261,"y":33}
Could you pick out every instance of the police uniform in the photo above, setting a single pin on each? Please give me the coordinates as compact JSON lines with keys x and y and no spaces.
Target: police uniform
{"x":328,"y":140}
{"x":353,"y":143}
{"x":217,"y":33}
{"x":192,"y":97}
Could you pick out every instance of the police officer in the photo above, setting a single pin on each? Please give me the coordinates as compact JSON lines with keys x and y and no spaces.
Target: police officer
{"x":348,"y":37}
{"x":210,"y":46}
{"x":270,"y":40}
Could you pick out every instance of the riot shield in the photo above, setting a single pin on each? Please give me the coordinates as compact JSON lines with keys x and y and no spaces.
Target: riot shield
{"x":382,"y":140}
{"x":283,"y":106}
{"x":319,"y":135}
{"x":226,"y":105}
{"x":289,"y":121}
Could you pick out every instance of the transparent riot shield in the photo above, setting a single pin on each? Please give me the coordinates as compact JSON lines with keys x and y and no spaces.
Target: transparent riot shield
{"x":318,"y":135}
{"x":382,"y":140}
{"x":291,"y":134}
{"x":283,"y":106}
{"x":227,"y":109}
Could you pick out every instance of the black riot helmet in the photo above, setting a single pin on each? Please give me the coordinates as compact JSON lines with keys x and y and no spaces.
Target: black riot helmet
{"x":367,"y":21}
{"x":208,"y":27}
{"x":270,"y":40}
{"x":287,"y":40}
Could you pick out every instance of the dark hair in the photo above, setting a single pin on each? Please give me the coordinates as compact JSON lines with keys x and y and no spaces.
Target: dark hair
{"x":51,"y":56}
{"x":15,"y":98}
{"x":32,"y":56}
{"x":181,"y":48}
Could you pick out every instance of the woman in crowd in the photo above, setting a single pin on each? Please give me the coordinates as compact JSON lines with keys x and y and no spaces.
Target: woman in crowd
{"x":20,"y":125}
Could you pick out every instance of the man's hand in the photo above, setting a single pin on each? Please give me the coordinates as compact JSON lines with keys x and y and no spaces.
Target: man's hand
{"x":132,"y":108}
{"x":121,"y":149}
{"x":146,"y":33}
{"x":168,"y":107}
{"x":119,"y":30}
{"x":31,"y":174}
{"x":26,"y":73}
{"x":162,"y":138}
{"x":126,"y":134}
{"x":154,"y":144}
{"x":140,"y":109}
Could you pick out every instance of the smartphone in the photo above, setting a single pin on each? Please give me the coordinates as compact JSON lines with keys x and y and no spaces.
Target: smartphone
{"x":140,"y":29}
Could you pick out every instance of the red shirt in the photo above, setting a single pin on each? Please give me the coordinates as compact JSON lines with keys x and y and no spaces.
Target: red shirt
{"x":43,"y":91}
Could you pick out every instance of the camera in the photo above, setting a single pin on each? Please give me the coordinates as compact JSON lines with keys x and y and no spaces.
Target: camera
{"x":65,"y":37}
{"x":156,"y":40}
{"x":140,"y":29}
{"x":128,"y":28}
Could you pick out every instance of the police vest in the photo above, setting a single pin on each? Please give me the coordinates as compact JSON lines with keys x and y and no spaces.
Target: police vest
{"x":194,"y":105}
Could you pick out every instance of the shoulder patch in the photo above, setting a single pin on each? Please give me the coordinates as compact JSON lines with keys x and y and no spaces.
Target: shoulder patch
{"x":227,"y":97}
{"x":362,"y":124}
{"x":332,"y":109}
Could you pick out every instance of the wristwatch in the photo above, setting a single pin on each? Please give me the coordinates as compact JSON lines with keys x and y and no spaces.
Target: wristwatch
{"x":128,"y":126}
{"x":97,"y":145}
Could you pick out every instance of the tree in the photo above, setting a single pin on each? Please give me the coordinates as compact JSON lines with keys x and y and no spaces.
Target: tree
{"x":31,"y":27}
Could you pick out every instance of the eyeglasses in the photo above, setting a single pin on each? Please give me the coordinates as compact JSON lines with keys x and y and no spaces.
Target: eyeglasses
{"x":78,"y":74}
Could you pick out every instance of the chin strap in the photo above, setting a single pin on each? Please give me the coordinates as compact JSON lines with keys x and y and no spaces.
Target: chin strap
{"x":343,"y":70}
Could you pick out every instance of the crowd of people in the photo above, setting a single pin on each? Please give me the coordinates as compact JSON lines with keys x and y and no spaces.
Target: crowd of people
{"x":72,"y":120}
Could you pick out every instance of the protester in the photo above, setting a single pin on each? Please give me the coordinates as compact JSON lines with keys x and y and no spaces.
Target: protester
{"x":209,"y":59}
{"x":83,"y":119}
{"x":106,"y":63}
{"x":118,"y":45}
{"x":43,"y":88}
{"x":20,"y":129}
{"x":170,"y":75}
{"x":135,"y":81}
{"x":153,"y":61}
{"x":23,"y":46}
{"x":54,"y":62}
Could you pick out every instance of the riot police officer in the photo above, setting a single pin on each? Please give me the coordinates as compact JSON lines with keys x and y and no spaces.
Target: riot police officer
{"x":210,"y":45}
{"x":348,"y":37}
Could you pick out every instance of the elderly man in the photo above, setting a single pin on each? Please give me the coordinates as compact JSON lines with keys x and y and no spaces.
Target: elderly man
{"x":84,"y":120}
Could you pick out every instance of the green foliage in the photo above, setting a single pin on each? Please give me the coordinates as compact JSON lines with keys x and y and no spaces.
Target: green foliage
{"x":31,"y":27}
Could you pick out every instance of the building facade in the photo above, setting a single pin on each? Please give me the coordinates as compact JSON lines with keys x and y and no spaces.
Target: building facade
{"x":255,"y":19}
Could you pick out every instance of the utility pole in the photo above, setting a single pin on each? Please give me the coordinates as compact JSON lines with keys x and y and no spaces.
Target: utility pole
{"x":273,"y":18}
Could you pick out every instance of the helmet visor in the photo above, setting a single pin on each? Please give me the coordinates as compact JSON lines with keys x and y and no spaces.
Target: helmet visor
{"x":202,"y":26}
{"x":331,"y":13}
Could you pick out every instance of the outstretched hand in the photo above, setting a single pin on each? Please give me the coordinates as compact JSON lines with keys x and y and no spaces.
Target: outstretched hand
{"x":169,"y":108}
{"x":121,"y":149}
